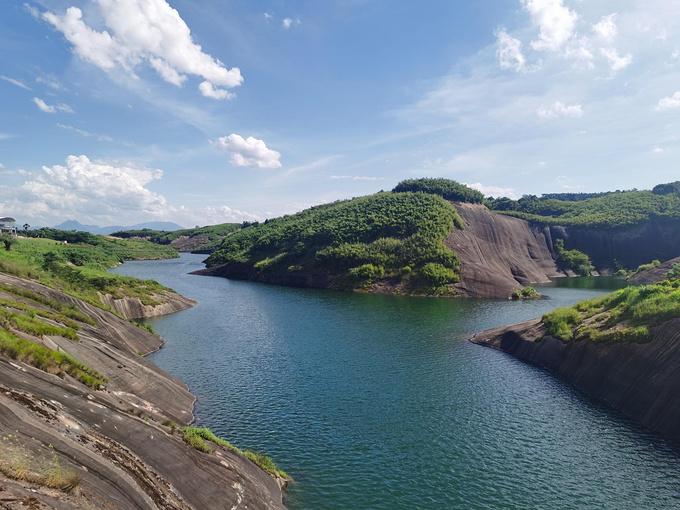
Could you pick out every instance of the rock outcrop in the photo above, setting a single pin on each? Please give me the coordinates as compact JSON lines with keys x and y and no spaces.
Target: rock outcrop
{"x":119,"y":444}
{"x":640,"y":379}
{"x":655,"y":274}
{"x":630,"y":246}
{"x":499,"y":254}
{"x":133,"y":308}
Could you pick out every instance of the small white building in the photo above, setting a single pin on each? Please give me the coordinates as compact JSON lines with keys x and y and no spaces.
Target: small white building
{"x":7,"y":226}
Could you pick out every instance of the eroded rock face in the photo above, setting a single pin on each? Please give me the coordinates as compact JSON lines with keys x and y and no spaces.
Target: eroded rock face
{"x":655,"y":274}
{"x":499,"y":254}
{"x":631,"y":246}
{"x":115,"y":439}
{"x":133,"y":308}
{"x":641,"y":380}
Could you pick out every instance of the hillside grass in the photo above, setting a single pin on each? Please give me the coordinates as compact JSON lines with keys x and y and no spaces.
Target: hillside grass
{"x":360,"y":241}
{"x":79,"y":270}
{"x":622,"y":316}
{"x":200,"y":439}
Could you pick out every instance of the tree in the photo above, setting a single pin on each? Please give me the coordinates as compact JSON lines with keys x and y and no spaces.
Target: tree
{"x":8,"y":240}
{"x":26,"y":227}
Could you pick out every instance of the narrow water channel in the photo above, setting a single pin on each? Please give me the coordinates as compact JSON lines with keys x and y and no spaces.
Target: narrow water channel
{"x":379,"y":402}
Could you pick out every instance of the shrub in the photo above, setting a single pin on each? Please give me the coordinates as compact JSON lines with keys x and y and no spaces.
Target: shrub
{"x":559,"y":323}
{"x":437,"y":275}
{"x":674,"y":272}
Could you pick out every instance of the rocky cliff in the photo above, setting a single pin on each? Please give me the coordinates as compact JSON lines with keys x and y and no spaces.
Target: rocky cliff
{"x":499,"y":254}
{"x":65,"y":445}
{"x":631,"y":246}
{"x":640,"y":379}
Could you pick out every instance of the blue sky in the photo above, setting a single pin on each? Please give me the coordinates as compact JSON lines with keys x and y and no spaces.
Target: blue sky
{"x":208,"y":111}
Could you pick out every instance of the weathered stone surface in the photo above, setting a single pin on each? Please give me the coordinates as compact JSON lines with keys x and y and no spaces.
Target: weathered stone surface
{"x":642,"y":380}
{"x":499,"y":254}
{"x":133,"y":308}
{"x":115,"y":438}
{"x":655,"y":274}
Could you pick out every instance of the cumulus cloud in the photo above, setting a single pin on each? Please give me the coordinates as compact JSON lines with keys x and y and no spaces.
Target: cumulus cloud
{"x":657,"y":150}
{"x":668,"y":103}
{"x":18,"y":83}
{"x":560,"y":110}
{"x":145,"y":31}
{"x":85,"y":188}
{"x":606,"y":28}
{"x":249,"y":152}
{"x":616,"y":63}
{"x":44,"y":107}
{"x":106,"y":192}
{"x":555,"y":21}
{"x":493,"y":191}
{"x":509,"y":51}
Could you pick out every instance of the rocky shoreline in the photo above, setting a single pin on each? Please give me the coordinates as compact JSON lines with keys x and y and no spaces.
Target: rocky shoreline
{"x":122,"y":444}
{"x":641,"y":380}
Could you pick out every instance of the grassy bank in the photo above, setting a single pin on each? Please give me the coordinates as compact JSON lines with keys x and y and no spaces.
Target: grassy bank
{"x":81,"y":270}
{"x":622,"y":316}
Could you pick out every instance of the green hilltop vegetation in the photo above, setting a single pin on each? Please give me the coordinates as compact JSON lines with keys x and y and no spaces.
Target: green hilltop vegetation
{"x":386,"y":237}
{"x":79,"y":268}
{"x":598,"y":210}
{"x":622,"y":316}
{"x":207,"y":238}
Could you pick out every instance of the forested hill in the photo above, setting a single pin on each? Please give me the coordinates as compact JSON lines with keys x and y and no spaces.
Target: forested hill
{"x":203,"y":239}
{"x":393,"y":239}
{"x":613,"y":210}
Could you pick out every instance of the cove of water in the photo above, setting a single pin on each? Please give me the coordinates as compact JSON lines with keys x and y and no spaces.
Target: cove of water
{"x":380,"y":402}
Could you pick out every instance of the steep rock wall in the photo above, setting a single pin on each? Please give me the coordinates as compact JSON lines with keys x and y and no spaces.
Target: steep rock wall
{"x":641,"y":380}
{"x":655,"y":239}
{"x":499,"y":254}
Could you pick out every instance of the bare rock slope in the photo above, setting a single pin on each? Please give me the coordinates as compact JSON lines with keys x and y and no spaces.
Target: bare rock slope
{"x":499,"y":254}
{"x":655,"y":274}
{"x":640,"y":379}
{"x":133,"y":308}
{"x":117,"y":444}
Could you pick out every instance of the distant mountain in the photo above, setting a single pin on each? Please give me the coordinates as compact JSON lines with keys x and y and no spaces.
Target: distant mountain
{"x":96,"y":229}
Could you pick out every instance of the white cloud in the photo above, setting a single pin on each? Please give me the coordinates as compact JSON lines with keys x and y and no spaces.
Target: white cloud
{"x":616,"y":63}
{"x":2,"y":166}
{"x":555,"y":21}
{"x":18,"y":83}
{"x":249,"y":152}
{"x":144,"y":31}
{"x":669,"y":102}
{"x":289,"y":22}
{"x":509,"y":51}
{"x":87,"y":134}
{"x":606,"y":28}
{"x":85,"y":188}
{"x":560,"y":110}
{"x":657,"y":150}
{"x":44,"y":107}
{"x":105,"y":192}
{"x":208,"y":90}
{"x":493,"y":191}
{"x":268,"y":15}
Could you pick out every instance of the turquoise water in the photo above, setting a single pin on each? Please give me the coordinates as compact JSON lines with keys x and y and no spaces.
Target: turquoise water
{"x":380,"y":402}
